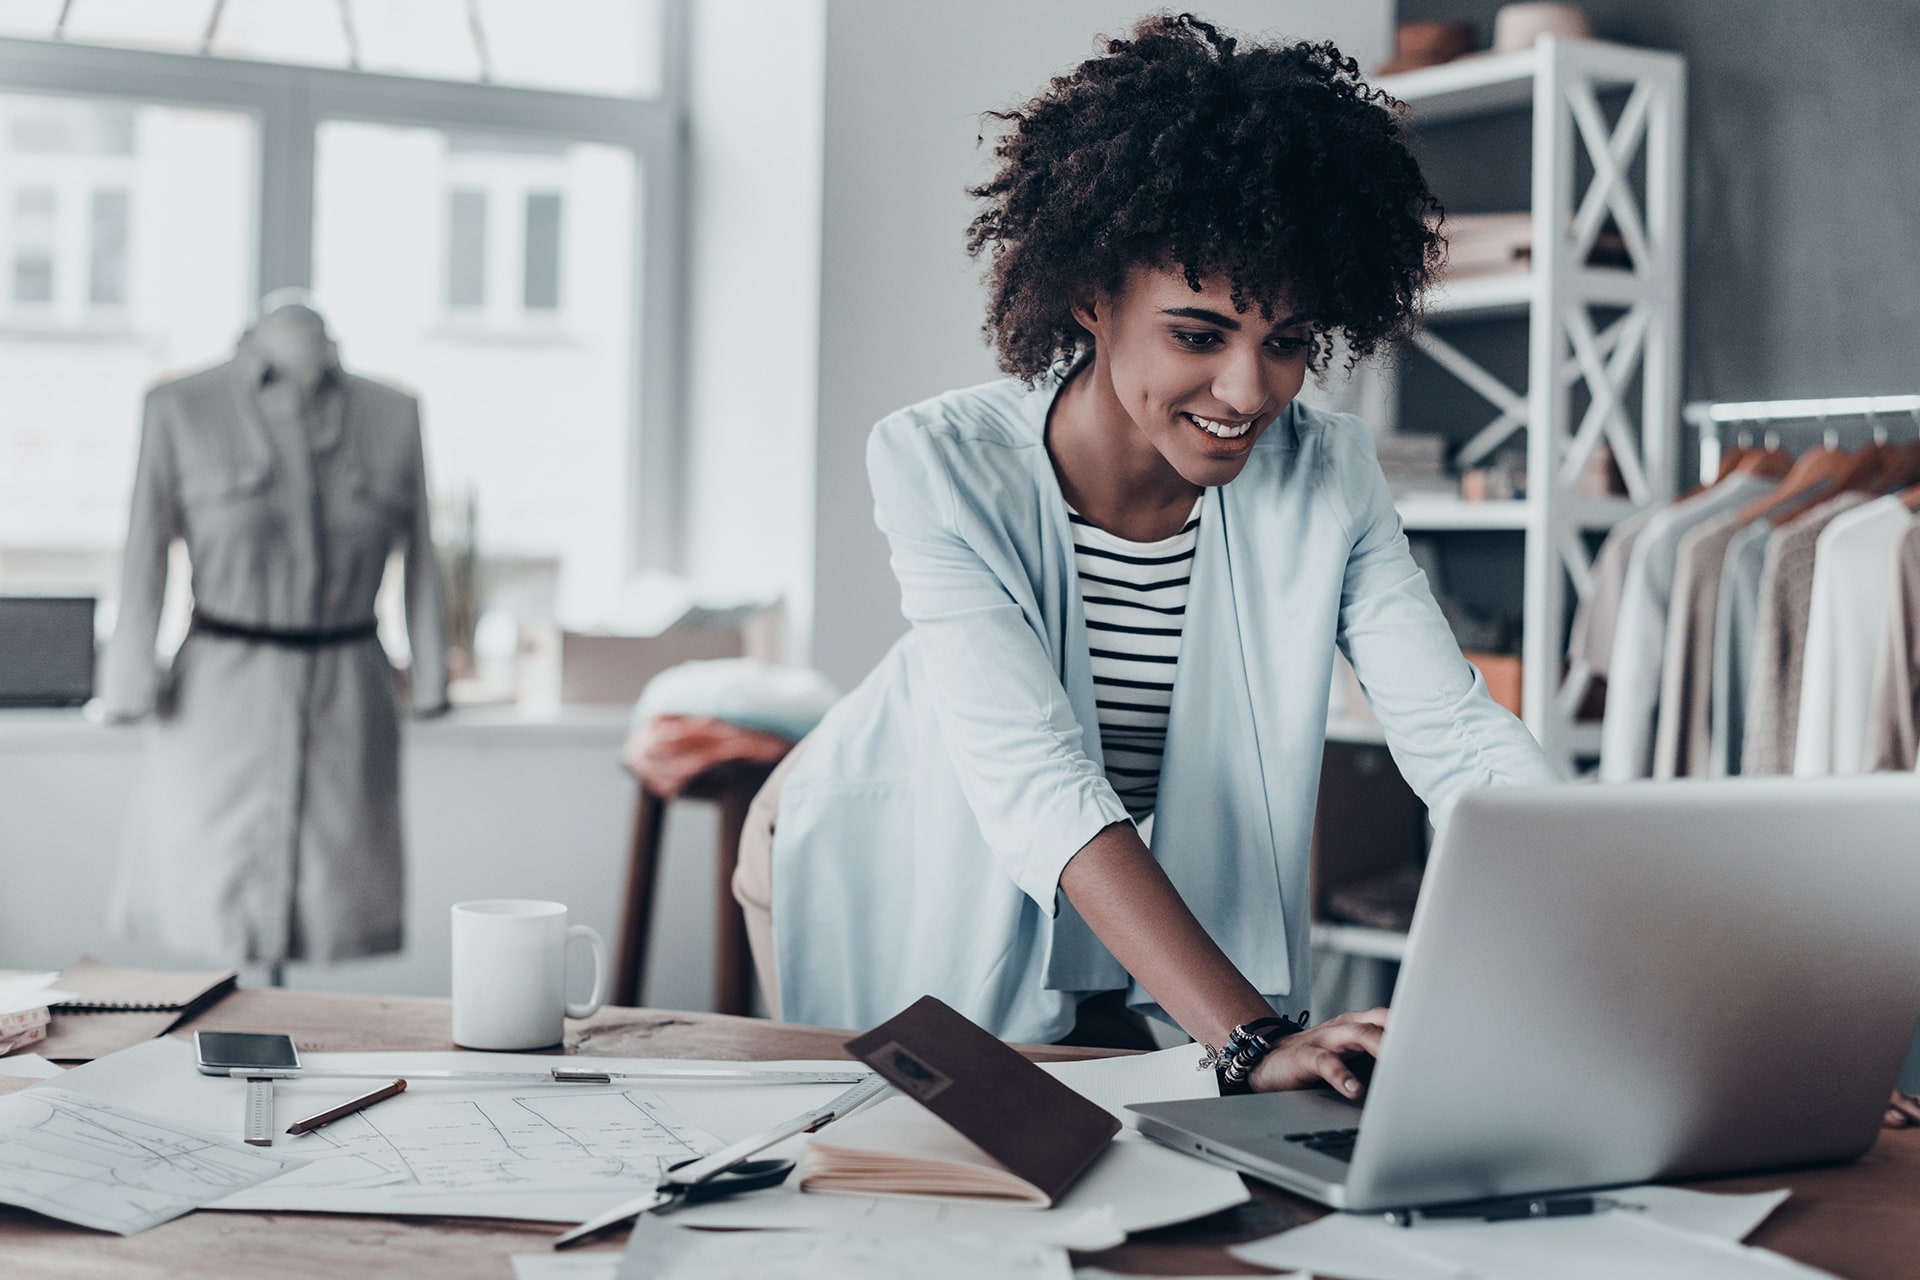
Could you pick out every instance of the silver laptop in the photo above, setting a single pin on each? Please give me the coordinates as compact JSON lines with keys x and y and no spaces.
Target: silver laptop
{"x":1606,"y":985}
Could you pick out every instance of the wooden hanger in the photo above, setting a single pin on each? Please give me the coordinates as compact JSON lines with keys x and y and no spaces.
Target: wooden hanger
{"x":1903,"y":468}
{"x":1817,"y":474}
{"x":1766,"y":463}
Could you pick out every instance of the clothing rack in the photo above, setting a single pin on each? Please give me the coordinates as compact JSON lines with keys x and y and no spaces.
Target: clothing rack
{"x":1711,"y":419}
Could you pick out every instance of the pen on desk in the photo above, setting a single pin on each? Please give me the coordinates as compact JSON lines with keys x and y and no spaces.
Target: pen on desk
{"x":347,"y":1108}
{"x":1513,"y":1210}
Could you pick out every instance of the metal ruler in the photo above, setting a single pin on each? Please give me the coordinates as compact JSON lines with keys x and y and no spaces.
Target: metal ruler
{"x":744,"y":1074}
{"x":259,"y":1131}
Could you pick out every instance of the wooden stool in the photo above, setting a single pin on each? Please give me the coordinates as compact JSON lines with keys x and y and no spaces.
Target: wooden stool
{"x":731,"y":785}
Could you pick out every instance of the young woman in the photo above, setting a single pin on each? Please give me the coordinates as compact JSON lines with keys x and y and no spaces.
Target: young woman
{"x":1127,"y":570}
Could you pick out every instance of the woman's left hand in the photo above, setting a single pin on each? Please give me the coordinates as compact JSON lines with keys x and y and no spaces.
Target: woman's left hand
{"x":1903,"y":1112}
{"x":1321,"y":1054}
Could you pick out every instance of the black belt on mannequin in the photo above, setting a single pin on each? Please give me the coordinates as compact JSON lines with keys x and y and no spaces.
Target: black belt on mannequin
{"x":284,"y":637}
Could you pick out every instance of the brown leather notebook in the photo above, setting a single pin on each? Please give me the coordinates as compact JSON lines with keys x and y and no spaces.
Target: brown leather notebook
{"x":1044,"y":1133}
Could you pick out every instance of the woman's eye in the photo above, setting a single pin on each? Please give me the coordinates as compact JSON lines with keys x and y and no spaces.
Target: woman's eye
{"x":1288,"y":346}
{"x":1196,"y":341}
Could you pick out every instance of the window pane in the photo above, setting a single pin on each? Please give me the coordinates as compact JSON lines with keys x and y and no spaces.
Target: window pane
{"x":66,"y":126}
{"x":71,"y":389}
{"x":530,"y":410}
{"x":542,"y":289}
{"x":582,"y":46}
{"x":107,"y":280}
{"x":178,"y":25}
{"x":466,"y":248}
{"x":33,"y":19}
{"x":307,"y":31}
{"x":417,"y":38}
{"x":33,"y":233}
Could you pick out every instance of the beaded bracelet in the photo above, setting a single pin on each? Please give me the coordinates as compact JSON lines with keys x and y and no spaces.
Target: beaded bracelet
{"x":1246,"y":1045}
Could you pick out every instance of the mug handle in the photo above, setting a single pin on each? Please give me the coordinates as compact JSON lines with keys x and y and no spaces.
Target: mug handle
{"x":592,"y":1006}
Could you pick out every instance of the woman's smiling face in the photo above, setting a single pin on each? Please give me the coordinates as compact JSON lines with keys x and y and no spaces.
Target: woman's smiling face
{"x":1199,"y":378}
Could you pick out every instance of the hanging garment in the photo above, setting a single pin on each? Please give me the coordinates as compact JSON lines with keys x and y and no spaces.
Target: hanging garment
{"x":266,"y":816}
{"x":1590,"y":638}
{"x":1780,"y":637}
{"x":1852,"y":588}
{"x":1682,"y":736}
{"x":1735,"y":619}
{"x":1639,"y":640}
{"x":1893,"y":722}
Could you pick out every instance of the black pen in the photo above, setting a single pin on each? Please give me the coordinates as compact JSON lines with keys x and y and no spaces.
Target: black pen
{"x":1513,"y":1210}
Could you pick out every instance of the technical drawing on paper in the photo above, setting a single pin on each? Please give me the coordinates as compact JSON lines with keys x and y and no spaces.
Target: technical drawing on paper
{"x":81,"y":1160}
{"x":542,"y":1139}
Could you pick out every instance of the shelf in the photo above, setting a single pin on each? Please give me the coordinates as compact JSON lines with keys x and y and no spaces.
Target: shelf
{"x":1430,"y":515}
{"x":1482,"y":83}
{"x":1359,"y":940}
{"x":1513,"y":294}
{"x":1422,"y":515}
{"x":1466,"y":86}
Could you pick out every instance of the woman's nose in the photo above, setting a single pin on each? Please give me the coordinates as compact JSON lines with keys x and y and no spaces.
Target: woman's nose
{"x":1240,"y":384}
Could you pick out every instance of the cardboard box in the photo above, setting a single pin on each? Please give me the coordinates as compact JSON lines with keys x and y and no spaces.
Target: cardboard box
{"x":1502,"y":674}
{"x":611,"y":670}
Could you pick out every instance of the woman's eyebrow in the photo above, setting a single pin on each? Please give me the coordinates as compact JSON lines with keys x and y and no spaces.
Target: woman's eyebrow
{"x":1223,"y":321}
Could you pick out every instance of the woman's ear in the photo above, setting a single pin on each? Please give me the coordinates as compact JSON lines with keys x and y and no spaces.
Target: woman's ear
{"x":1090,"y":311}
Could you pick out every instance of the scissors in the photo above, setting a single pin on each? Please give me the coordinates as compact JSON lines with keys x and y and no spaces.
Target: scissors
{"x":728,"y":1171}
{"x":748,"y":1175}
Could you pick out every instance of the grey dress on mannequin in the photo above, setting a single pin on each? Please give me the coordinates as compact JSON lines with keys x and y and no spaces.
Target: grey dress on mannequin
{"x":266,"y":819}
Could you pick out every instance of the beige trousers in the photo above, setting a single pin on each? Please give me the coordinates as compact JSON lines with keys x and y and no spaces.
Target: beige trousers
{"x":753,"y":876}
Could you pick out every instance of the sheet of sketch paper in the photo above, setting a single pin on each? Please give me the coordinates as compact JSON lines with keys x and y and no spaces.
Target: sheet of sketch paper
{"x":85,"y":1161}
{"x":461,"y":1138}
{"x":459,"y":1148}
{"x":658,"y":1250}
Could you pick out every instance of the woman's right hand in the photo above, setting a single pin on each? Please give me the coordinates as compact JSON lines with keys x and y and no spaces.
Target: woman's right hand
{"x":1322,"y":1054}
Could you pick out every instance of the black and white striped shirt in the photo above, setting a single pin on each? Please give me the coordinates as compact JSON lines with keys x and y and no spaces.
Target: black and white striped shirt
{"x":1135,"y":595}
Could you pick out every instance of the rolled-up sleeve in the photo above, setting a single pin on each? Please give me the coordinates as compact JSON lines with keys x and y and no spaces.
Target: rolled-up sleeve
{"x":1444,"y":729}
{"x":1017,"y":747}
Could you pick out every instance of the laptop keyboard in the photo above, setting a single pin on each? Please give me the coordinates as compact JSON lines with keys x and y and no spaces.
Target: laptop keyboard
{"x":1337,"y":1143}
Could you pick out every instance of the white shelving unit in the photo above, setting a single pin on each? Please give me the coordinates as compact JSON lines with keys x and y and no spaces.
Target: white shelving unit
{"x":1635,"y":337}
{"x":1591,"y":330}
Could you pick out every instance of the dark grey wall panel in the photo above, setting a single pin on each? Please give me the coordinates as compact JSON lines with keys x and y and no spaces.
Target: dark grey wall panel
{"x":1803,"y":195}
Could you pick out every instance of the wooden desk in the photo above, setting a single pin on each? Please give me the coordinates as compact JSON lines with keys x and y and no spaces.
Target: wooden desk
{"x":1860,"y":1221}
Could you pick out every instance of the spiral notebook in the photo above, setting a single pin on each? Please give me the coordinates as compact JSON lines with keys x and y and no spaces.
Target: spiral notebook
{"x":114,"y":1007}
{"x":112,"y":988}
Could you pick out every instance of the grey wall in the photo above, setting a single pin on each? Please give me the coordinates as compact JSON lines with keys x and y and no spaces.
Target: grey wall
{"x":900,"y":303}
{"x":1803,"y":155}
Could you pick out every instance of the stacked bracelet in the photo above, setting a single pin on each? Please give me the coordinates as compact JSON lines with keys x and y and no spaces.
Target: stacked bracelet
{"x":1247,"y":1044}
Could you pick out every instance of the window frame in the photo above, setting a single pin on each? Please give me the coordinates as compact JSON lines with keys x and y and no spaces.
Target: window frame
{"x":288,"y":103}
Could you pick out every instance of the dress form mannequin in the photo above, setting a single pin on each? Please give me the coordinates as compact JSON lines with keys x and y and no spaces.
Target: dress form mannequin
{"x":294,"y":341}
{"x":292,"y":336}
{"x":266,"y":820}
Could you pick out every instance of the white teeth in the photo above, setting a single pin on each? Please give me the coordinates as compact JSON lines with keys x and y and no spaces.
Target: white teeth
{"x":1221,"y":430}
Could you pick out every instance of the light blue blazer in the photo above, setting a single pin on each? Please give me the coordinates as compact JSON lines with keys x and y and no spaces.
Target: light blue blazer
{"x":920,"y":839}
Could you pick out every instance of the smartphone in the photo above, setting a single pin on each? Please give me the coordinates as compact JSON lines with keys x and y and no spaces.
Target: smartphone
{"x":224,"y":1052}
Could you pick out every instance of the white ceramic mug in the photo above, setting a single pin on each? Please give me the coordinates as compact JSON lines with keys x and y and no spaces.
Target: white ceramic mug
{"x":510,"y":973}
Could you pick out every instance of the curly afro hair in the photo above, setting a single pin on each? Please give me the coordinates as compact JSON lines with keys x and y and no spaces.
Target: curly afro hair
{"x":1272,"y":166}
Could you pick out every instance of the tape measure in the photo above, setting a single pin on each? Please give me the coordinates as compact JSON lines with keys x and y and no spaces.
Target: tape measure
{"x":259,"y":1131}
